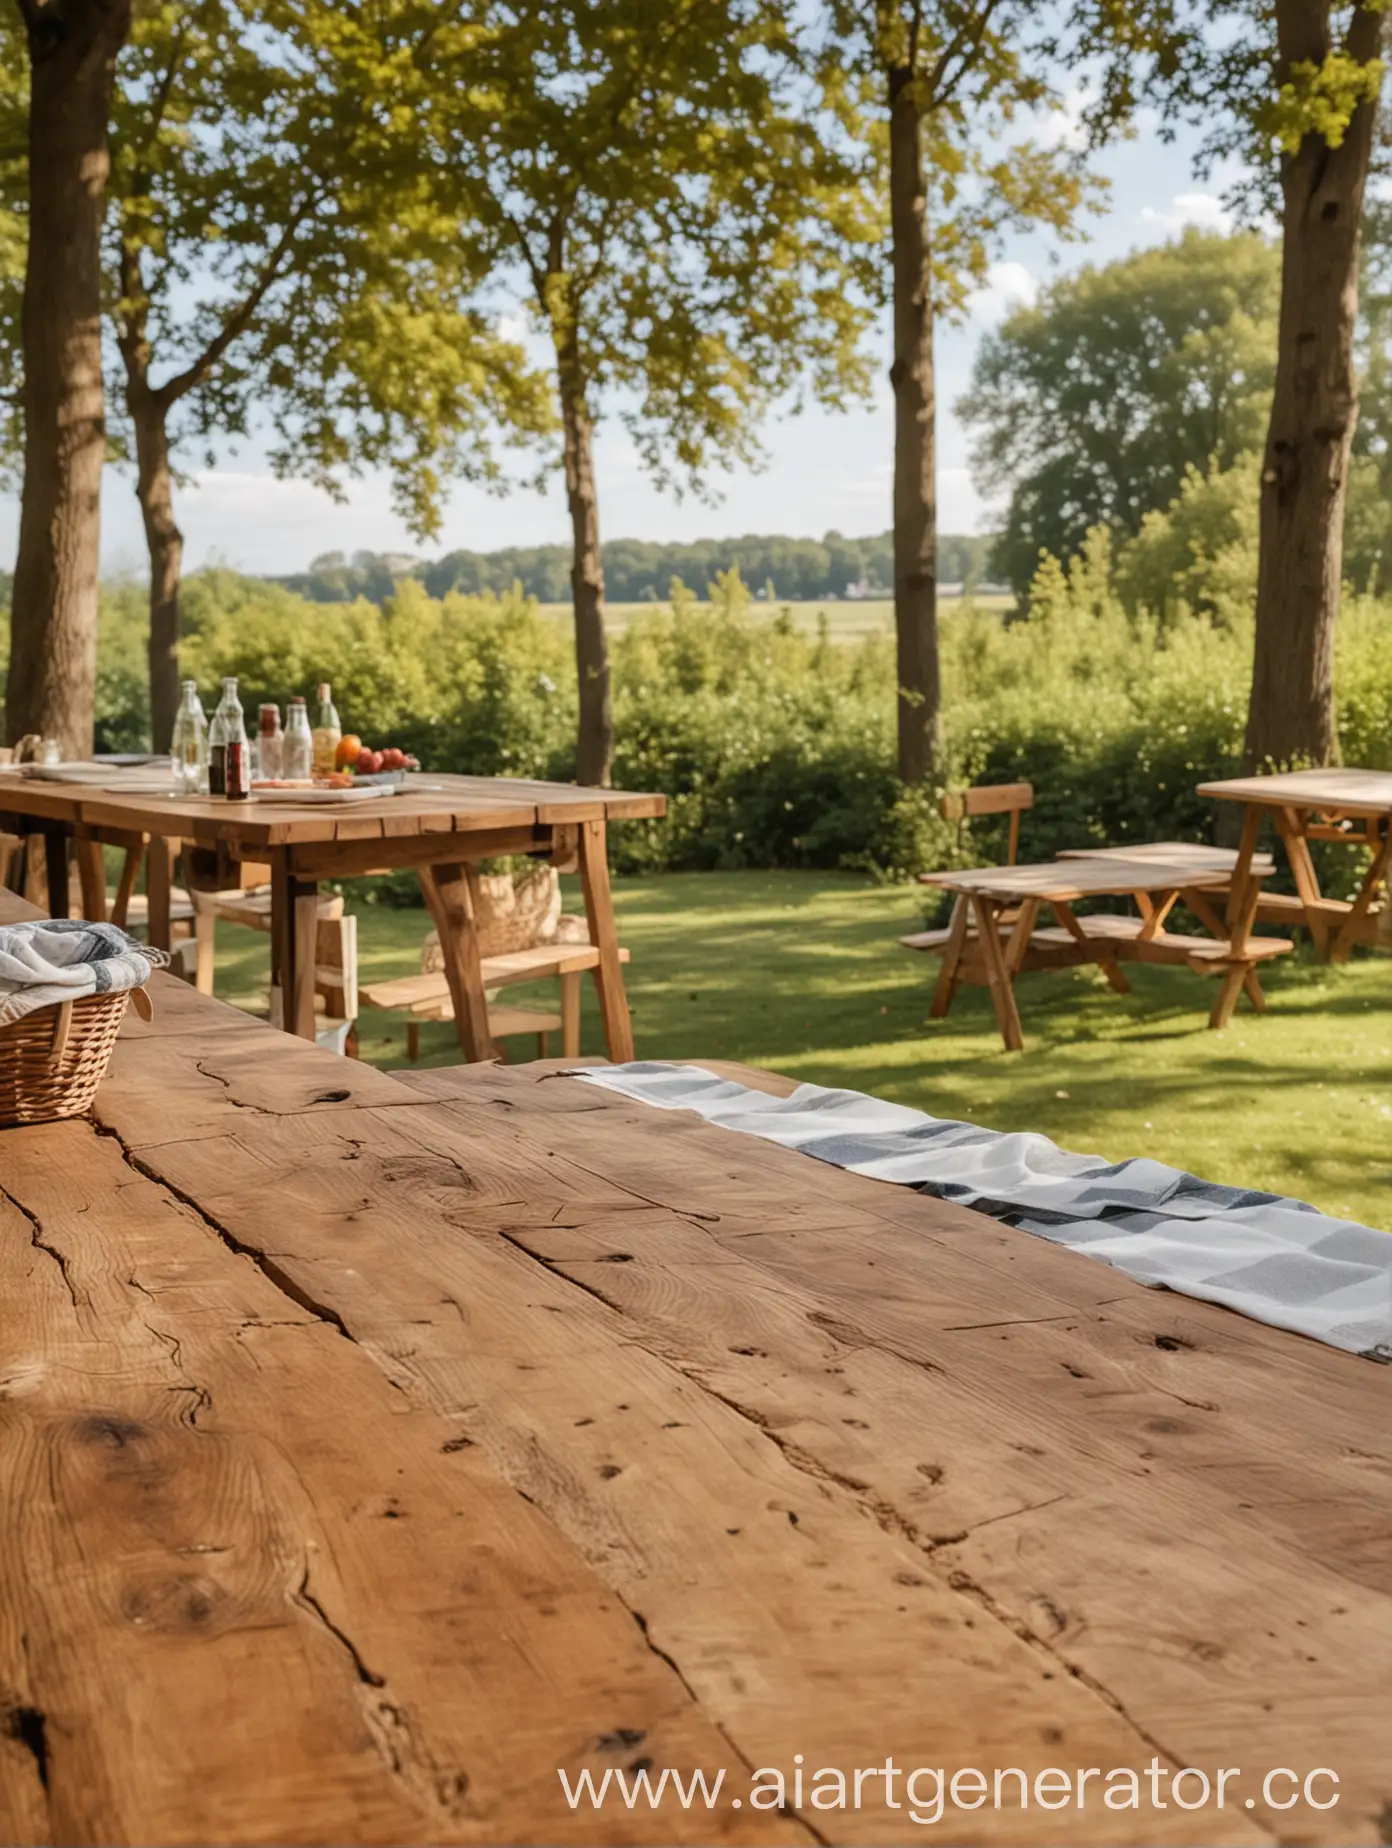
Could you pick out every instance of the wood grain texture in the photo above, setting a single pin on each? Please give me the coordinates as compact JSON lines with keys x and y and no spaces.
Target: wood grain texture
{"x":450,"y":1430}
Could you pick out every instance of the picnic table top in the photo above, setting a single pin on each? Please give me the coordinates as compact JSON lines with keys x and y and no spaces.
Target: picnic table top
{"x":442,"y":804}
{"x":1087,"y":876}
{"x":1360,"y":792}
{"x":373,"y":1449}
{"x":1171,"y":853}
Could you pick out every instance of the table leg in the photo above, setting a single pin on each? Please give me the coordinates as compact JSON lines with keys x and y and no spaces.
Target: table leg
{"x":302,"y":995}
{"x":1231,"y":986}
{"x":56,"y":872}
{"x":997,"y":975}
{"x":159,"y":881}
{"x":1242,"y":868}
{"x":570,"y":1015}
{"x":294,"y":934}
{"x":1291,"y":831}
{"x":1378,"y":874}
{"x":449,"y":893}
{"x":604,"y":935}
{"x":952,"y":959}
{"x":130,"y":872}
{"x":91,"y":871}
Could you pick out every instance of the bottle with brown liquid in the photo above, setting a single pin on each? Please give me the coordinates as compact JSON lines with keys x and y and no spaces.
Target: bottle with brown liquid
{"x":238,"y":754}
{"x":270,"y":743}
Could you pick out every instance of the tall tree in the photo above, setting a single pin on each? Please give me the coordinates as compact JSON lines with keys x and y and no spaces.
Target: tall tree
{"x":689,"y":229}
{"x":272,"y":262}
{"x":1329,"y":75}
{"x":944,"y":83}
{"x":1090,"y":405}
{"x":72,"y":48}
{"x":1291,"y":88}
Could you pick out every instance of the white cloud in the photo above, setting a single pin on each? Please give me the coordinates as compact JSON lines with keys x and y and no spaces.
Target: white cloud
{"x":1062,"y":126}
{"x":1205,"y":210}
{"x":1008,"y":285}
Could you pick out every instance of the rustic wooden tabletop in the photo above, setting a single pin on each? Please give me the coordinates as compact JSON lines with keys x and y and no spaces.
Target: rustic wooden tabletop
{"x":374,"y":1450}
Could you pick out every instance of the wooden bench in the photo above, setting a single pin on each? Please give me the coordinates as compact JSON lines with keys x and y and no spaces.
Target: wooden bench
{"x":427,"y":996}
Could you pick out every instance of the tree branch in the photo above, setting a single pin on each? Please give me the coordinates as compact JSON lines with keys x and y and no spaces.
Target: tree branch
{"x":240,"y":317}
{"x":967,"y":43}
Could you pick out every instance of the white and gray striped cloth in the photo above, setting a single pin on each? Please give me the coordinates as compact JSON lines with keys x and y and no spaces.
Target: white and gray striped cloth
{"x":63,"y":959}
{"x":1274,"y":1259}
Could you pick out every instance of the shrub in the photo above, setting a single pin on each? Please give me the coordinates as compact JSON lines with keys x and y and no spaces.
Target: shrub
{"x":1124,"y":688}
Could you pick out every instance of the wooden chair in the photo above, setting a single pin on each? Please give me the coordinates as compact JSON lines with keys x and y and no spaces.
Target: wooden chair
{"x":961,"y":806}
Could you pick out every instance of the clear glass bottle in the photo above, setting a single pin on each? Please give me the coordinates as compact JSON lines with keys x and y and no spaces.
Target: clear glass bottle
{"x":270,"y":742}
{"x":218,"y":736}
{"x":189,"y":745}
{"x":327,"y":733}
{"x":238,"y":758}
{"x":297,"y":748}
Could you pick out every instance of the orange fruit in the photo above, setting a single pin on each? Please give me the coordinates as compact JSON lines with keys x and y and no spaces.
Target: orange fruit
{"x":349,"y":747}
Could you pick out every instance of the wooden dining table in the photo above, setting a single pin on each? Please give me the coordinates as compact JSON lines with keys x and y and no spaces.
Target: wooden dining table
{"x":378,"y":1451}
{"x":1350,"y":806}
{"x":441,"y":829}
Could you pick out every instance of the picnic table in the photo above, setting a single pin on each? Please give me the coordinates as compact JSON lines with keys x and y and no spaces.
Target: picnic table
{"x":441,"y":830}
{"x":1003,"y":904}
{"x":1352,"y":806}
{"x":373,"y":1449}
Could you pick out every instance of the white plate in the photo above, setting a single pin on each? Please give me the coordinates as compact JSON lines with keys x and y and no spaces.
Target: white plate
{"x":318,"y":795}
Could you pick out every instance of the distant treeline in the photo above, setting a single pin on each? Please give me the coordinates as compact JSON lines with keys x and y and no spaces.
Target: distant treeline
{"x":636,"y":571}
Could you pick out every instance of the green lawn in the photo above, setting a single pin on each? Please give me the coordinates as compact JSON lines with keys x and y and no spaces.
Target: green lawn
{"x":801,"y":972}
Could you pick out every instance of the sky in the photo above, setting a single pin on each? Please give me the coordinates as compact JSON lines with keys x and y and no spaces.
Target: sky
{"x":824,"y":470}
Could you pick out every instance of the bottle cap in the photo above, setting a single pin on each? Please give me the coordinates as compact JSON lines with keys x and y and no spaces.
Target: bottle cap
{"x":270,"y":717}
{"x":323,"y":689}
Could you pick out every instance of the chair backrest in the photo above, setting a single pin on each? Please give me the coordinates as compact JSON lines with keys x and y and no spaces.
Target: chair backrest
{"x":991,"y":799}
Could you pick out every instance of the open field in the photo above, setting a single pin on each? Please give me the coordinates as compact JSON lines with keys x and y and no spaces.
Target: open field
{"x":801,"y":972}
{"x":846,"y":621}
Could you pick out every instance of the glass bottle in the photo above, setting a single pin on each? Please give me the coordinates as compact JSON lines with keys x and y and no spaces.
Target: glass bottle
{"x":327,"y":733}
{"x":238,"y":758}
{"x":270,"y":743}
{"x":189,"y":745}
{"x":218,"y":735}
{"x":297,"y":747}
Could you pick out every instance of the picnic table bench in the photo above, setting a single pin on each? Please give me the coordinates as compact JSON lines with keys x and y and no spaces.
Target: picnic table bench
{"x":1351,"y":806}
{"x":995,"y":936}
{"x":371,"y":1451}
{"x":442,"y":830}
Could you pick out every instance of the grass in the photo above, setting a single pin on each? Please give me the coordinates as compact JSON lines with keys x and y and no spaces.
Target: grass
{"x":801,"y":972}
{"x":846,"y":621}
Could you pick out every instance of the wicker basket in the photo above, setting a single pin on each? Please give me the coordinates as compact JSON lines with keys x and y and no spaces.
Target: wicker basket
{"x":52,"y":1060}
{"x":515,"y":911}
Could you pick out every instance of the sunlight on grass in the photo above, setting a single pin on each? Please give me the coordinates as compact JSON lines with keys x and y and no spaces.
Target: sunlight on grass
{"x":801,"y":972}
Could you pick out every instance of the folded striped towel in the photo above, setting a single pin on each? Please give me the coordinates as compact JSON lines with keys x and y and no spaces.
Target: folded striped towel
{"x":63,"y":959}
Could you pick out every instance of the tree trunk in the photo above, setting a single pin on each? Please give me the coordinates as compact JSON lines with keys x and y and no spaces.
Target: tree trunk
{"x":165,"y":545}
{"x":594,"y":755}
{"x":53,"y":622}
{"x":915,"y":460}
{"x":1313,"y":414}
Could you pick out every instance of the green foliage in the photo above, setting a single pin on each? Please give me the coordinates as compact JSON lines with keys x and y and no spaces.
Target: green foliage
{"x":657,"y":181}
{"x":1124,"y":688}
{"x":274,"y":250}
{"x":1094,"y":404}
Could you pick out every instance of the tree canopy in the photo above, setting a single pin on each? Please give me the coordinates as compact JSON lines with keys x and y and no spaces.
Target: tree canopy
{"x":1090,"y":406}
